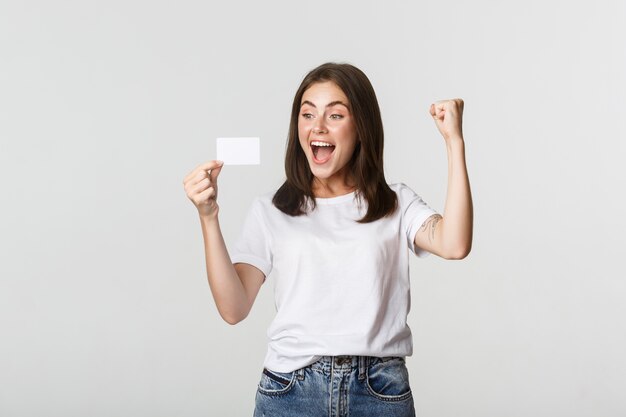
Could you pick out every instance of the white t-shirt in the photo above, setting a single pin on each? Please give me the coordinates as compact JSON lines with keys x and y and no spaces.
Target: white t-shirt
{"x":340,"y":287}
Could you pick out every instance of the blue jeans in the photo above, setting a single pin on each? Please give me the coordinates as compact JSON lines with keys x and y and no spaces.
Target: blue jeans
{"x":338,"y":386}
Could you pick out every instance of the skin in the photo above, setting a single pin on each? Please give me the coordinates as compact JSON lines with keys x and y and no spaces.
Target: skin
{"x":450,"y":236}
{"x":235,"y":287}
{"x":325,"y":116}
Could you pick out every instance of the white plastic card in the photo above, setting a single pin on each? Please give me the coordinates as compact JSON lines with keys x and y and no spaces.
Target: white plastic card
{"x":239,"y":151}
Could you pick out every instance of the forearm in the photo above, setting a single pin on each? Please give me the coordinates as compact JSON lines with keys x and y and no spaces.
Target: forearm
{"x":226,"y":286}
{"x":457,"y":223}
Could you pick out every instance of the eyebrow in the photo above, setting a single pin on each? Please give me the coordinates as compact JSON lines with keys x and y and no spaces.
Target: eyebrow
{"x":332,"y":103}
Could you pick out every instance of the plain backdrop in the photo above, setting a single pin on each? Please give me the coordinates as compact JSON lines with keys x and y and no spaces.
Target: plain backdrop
{"x":105,"y":106}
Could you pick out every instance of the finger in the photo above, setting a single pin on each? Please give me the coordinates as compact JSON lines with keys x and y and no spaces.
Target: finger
{"x":201,"y":186}
{"x":207,"y":166}
{"x":206,"y":195}
{"x":434,"y":112}
{"x":214,"y":174}
{"x":191,"y":175}
{"x":195,"y":180}
{"x":455,"y":108}
{"x":196,"y":183}
{"x":441,"y":107}
{"x":211,"y":164}
{"x":202,"y":174}
{"x":454,"y":104}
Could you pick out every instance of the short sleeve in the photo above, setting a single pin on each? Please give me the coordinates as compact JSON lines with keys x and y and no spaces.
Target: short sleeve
{"x":414,"y":213}
{"x":253,"y":246}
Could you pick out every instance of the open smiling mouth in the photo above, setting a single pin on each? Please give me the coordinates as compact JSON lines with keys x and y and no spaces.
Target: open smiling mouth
{"x":322,"y":151}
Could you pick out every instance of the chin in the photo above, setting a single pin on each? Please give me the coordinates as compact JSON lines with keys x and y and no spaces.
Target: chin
{"x":324,"y":173}
{"x":321,"y":173}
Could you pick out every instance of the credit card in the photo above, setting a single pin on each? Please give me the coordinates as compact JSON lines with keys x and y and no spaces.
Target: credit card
{"x":239,"y":151}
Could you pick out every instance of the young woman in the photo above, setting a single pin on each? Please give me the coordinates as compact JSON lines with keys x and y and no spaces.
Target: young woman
{"x":335,"y":237}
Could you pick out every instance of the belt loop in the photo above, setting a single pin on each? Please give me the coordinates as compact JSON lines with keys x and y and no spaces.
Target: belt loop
{"x":362,"y":366}
{"x":300,"y":374}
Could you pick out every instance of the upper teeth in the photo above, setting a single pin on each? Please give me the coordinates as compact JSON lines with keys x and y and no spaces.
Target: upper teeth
{"x":316,"y":143}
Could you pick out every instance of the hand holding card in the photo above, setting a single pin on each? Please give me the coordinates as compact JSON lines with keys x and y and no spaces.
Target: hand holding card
{"x":201,"y":188}
{"x":239,"y":151}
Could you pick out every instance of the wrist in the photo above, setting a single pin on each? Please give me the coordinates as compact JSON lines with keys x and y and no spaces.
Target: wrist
{"x":209,"y":219}
{"x":455,"y":142}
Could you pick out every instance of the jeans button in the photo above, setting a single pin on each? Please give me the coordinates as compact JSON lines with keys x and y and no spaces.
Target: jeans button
{"x":341,"y":360}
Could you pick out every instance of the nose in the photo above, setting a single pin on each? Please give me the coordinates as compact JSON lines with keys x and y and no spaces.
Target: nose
{"x":319,"y":126}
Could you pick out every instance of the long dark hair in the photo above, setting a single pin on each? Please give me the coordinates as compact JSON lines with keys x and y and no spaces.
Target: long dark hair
{"x":366,"y":165}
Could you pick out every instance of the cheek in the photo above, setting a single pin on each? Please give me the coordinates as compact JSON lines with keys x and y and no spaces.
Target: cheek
{"x":304,"y":131}
{"x":302,"y":128}
{"x":347,"y":129}
{"x":348,"y":133}
{"x":302,"y":138}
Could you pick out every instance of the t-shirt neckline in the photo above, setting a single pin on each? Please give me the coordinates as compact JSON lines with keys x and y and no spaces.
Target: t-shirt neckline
{"x":336,"y":200}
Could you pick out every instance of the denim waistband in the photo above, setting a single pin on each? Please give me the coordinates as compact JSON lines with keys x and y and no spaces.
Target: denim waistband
{"x":337,"y":363}
{"x":343,"y":364}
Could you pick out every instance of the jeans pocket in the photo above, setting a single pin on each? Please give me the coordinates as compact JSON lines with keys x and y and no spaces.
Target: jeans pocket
{"x":388,"y":379}
{"x":276,"y":383}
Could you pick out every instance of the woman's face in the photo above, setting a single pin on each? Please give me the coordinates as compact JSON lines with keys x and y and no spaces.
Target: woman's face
{"x":326,"y":131}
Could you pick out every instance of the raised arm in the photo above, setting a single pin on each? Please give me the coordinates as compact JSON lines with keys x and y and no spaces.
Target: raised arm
{"x":450,"y":236}
{"x":234,"y":287}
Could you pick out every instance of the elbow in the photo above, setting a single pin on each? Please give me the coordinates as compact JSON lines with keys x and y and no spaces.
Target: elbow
{"x":459,"y":253}
{"x":233,"y":319}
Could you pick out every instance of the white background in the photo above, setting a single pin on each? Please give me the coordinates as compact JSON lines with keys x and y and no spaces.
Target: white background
{"x":105,"y":106}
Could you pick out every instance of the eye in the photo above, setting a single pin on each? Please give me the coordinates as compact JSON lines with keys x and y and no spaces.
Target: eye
{"x":307,"y":115}
{"x":336,"y":116}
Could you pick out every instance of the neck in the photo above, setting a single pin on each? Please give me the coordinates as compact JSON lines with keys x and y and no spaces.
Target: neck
{"x":324,"y":188}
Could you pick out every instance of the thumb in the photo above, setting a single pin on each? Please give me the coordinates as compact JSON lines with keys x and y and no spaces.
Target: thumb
{"x":215,"y":172}
{"x":437,"y":112}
